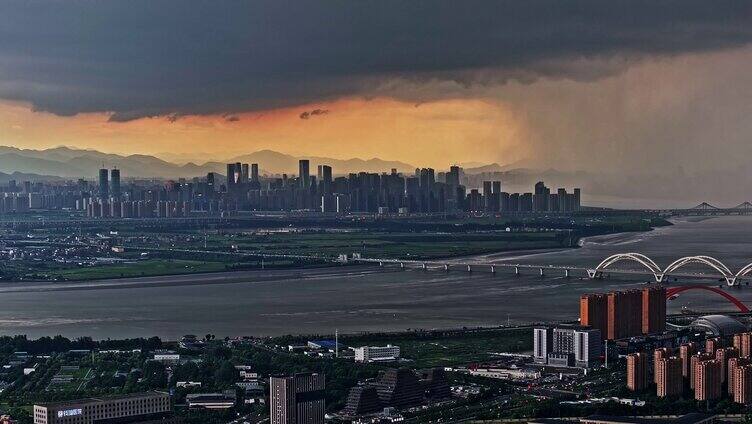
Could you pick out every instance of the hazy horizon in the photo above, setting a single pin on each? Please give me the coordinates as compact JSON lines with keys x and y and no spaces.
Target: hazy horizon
{"x":626,"y":93}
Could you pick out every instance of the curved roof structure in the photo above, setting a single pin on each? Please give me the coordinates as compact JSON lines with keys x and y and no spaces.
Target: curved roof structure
{"x":719,"y":325}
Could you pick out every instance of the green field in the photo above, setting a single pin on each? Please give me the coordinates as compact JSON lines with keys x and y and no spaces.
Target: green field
{"x":400,"y":245}
{"x":69,"y":379}
{"x":139,"y":269}
{"x":453,"y":350}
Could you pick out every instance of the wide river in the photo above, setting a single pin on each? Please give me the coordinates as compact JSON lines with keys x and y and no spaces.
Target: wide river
{"x":356,"y":298}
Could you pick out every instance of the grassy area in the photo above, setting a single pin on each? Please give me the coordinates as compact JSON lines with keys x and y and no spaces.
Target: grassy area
{"x":455,"y":349}
{"x":70,"y":378}
{"x":140,"y":268}
{"x":404,"y":245}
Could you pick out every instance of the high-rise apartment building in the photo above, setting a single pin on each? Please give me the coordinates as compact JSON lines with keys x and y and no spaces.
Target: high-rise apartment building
{"x":653,"y":309}
{"x":731,"y":366}
{"x":723,"y":355}
{"x":712,"y":344}
{"x":707,"y":379}
{"x":686,"y":351}
{"x":743,"y":343}
{"x":624,"y":314}
{"x":668,"y":377}
{"x":594,"y":312}
{"x":297,"y":399}
{"x":742,"y":381}
{"x":637,"y":371}
{"x":659,"y":354}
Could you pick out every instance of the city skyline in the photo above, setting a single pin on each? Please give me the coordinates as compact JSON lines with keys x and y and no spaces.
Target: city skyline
{"x":650,"y":90}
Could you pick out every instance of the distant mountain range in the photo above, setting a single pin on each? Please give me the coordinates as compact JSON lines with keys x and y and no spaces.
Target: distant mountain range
{"x":67,"y":162}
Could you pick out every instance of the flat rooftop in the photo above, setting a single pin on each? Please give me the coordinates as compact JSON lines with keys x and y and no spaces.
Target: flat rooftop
{"x":74,"y":402}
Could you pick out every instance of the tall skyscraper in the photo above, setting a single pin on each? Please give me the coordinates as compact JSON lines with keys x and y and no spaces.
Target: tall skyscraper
{"x":254,"y":172}
{"x":244,"y":173}
{"x":637,"y":371}
{"x":115,"y":183}
{"x":298,"y":399}
{"x":326,"y":178}
{"x":230,"y":177}
{"x":541,"y":198}
{"x":668,"y":378}
{"x":304,"y":173}
{"x":104,"y":184}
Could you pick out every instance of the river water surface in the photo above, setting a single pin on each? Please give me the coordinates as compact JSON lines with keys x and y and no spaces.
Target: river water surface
{"x":354,"y":299}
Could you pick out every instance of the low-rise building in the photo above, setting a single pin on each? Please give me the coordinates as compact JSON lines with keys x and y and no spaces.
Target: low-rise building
{"x":129,"y":408}
{"x":377,"y":353}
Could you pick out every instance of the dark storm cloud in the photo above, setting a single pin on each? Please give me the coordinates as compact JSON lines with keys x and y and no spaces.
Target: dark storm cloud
{"x":140,"y":58}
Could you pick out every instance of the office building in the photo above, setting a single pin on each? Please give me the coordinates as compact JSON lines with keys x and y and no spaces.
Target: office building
{"x":542,"y":344}
{"x":377,"y":353}
{"x":120,"y":409}
{"x":668,"y":377}
{"x":707,"y":379}
{"x":587,"y":347}
{"x":637,"y":371}
{"x":399,"y":388}
{"x":297,"y":399}
{"x":567,"y":345}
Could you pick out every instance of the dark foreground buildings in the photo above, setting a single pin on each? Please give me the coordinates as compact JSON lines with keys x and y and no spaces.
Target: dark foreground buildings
{"x":297,"y":399}
{"x":137,"y":407}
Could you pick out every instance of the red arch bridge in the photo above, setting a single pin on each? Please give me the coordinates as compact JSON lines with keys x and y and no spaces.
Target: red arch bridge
{"x":673,"y":291}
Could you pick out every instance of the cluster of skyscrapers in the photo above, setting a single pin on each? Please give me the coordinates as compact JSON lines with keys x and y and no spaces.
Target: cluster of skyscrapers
{"x":627,"y":313}
{"x":708,"y":371}
{"x":243,"y":189}
{"x":492,"y":199}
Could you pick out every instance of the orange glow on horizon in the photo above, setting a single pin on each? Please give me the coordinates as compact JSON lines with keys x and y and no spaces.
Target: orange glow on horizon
{"x":428,"y":134}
